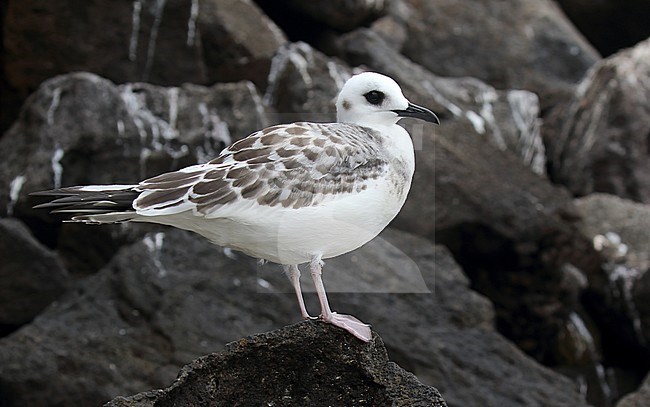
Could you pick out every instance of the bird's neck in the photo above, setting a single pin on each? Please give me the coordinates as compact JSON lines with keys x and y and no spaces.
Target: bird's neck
{"x":397,"y":141}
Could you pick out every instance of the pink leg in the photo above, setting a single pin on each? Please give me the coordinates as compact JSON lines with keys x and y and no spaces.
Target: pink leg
{"x":347,"y":322}
{"x":293,"y":273}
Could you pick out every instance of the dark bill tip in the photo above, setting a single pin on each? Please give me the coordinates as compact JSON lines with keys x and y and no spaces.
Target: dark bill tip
{"x":418,"y":112}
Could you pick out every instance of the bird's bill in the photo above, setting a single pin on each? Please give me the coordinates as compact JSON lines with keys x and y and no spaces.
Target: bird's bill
{"x":418,"y":112}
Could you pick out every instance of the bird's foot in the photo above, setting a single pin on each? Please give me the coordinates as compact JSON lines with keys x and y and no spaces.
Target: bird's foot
{"x":350,"y":324}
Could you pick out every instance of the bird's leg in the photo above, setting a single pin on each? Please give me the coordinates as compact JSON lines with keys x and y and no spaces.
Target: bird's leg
{"x":293,"y":273}
{"x":347,"y":322}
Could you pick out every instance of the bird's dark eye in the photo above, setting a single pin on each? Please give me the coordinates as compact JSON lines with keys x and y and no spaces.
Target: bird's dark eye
{"x":375,"y":97}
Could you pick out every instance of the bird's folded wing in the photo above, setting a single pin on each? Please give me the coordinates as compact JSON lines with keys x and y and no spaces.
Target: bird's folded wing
{"x":296,"y":165}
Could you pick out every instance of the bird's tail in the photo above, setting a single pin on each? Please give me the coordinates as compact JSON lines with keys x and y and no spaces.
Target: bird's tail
{"x":92,"y":203}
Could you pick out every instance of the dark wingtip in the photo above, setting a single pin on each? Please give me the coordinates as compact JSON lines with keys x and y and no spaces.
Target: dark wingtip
{"x":73,"y":200}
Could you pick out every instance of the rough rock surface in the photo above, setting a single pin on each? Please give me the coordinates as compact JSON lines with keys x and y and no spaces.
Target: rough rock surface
{"x":162,"y":42}
{"x":509,"y":120}
{"x":598,"y":141}
{"x":274,"y":369}
{"x":520,"y":263}
{"x":630,"y":221}
{"x":133,"y":325}
{"x":506,"y":44}
{"x":619,"y":295}
{"x":238,"y":40}
{"x":32,"y":276}
{"x":303,"y":84}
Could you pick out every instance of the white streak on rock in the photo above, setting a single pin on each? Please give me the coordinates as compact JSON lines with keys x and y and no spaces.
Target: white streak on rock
{"x":173,"y":106}
{"x":230,"y":253}
{"x":441,"y":99}
{"x":56,"y":98}
{"x":191,"y":23}
{"x":155,"y":133}
{"x":14,"y":192}
{"x":340,"y":77}
{"x":301,"y":63}
{"x":524,"y":106}
{"x":135,"y":30}
{"x":154,"y":245}
{"x":622,"y":280}
{"x":291,"y":54}
{"x":215,"y":130}
{"x":586,"y":343}
{"x":57,"y":168}
{"x":153,"y":37}
{"x":487,"y":98}
{"x":120,"y":127}
{"x":263,"y":283}
{"x":259,"y":105}
{"x":477,"y":121}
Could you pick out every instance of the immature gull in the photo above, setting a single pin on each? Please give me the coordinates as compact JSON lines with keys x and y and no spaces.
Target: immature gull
{"x":290,"y":194}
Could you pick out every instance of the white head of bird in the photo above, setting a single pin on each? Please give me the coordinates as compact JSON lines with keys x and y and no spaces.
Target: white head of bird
{"x":373,"y":100}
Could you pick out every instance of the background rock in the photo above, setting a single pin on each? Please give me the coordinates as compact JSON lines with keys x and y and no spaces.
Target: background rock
{"x":134,"y":324}
{"x":618,"y":295}
{"x":508,"y":120}
{"x":164,"y":42}
{"x":598,"y":141}
{"x":507,"y":45}
{"x":32,"y":276}
{"x":271,"y":368}
{"x":603,"y":214}
{"x":303,"y":84}
{"x":161,"y":42}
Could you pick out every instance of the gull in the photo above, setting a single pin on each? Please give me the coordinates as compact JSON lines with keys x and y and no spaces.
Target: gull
{"x":288,"y":194}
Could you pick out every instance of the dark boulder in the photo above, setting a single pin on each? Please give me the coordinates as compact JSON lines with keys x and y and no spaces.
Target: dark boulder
{"x":619,"y":294}
{"x":522,"y":45}
{"x":304,"y":83}
{"x":162,"y":42}
{"x":508,"y":120}
{"x":309,"y":363}
{"x":598,"y":140}
{"x":172,"y":297}
{"x":32,"y":275}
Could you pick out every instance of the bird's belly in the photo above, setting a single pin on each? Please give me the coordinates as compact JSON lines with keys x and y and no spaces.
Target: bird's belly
{"x":294,"y":236}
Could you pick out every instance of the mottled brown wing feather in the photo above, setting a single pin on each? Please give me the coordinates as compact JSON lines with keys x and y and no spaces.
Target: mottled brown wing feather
{"x":293,"y":166}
